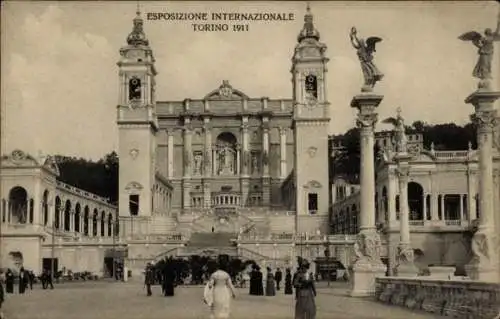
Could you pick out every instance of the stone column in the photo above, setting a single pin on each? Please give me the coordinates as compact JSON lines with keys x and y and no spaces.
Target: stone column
{"x":404,"y":257}
{"x":265,"y":150}
{"x":368,"y":265}
{"x":170,"y":154}
{"x":462,"y":211}
{"x":187,"y":163}
{"x":484,"y":264}
{"x":207,"y":161}
{"x":244,"y":179}
{"x":91,"y":226}
{"x":442,"y":215}
{"x":238,"y":160}
{"x":283,"y":149}
{"x":424,"y":206}
{"x":266,"y":180}
{"x":471,"y":195}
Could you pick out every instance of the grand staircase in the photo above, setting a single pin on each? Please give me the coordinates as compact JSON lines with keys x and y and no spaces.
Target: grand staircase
{"x":220,"y":239}
{"x":218,"y":243}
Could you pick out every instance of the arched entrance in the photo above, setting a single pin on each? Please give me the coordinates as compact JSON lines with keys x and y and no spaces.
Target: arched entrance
{"x":18,"y":202}
{"x":226,"y":154}
{"x":415,"y":201}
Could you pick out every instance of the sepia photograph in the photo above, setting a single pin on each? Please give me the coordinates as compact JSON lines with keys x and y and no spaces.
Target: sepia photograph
{"x":250,"y":159}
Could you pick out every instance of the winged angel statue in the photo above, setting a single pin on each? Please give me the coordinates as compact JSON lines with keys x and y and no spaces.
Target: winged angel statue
{"x":485,"y":44}
{"x":399,"y":128}
{"x":365,"y":49}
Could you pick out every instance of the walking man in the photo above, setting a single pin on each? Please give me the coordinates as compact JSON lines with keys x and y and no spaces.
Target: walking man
{"x":149,"y":278}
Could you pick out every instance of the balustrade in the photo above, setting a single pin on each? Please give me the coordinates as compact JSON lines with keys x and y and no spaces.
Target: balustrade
{"x":454,"y":298}
{"x":226,"y":199}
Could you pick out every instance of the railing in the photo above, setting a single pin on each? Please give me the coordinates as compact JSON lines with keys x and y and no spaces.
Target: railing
{"x":82,"y":193}
{"x":453,"y":222}
{"x":455,"y":298}
{"x":416,"y":223}
{"x":451,"y":154}
{"x":226,"y":199}
{"x":303,"y":238}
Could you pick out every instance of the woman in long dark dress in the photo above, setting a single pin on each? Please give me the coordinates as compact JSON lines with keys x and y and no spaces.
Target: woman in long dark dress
{"x":270,"y":289}
{"x":288,"y":282}
{"x":305,"y":305}
{"x":259,"y":282}
{"x":168,"y":280}
{"x":23,"y":280}
{"x":253,"y":281}
{"x":9,"y":282}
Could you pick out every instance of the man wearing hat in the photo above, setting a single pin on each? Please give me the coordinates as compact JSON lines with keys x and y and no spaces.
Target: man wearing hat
{"x":149,"y":278}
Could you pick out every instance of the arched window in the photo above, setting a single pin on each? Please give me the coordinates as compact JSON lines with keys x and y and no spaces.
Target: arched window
{"x":134,"y":89}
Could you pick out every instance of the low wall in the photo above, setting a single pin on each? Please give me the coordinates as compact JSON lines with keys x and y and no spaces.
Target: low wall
{"x":455,"y":298}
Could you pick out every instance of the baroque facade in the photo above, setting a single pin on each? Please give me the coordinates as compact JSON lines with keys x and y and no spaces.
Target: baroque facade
{"x":225,"y":164}
{"x":443,"y":202}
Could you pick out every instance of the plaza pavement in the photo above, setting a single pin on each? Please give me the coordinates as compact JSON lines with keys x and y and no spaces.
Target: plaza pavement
{"x":106,"y":300}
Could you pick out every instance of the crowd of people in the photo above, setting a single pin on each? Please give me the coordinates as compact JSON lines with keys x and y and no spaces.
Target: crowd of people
{"x":219,"y":287}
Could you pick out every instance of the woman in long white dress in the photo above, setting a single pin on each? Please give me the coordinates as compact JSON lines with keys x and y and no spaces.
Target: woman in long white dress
{"x":219,"y":292}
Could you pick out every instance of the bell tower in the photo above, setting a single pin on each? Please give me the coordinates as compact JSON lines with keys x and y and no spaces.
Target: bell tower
{"x":137,"y":123}
{"x":311,"y":120}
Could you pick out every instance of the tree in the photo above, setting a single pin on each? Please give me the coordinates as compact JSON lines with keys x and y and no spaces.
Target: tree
{"x":100,"y":178}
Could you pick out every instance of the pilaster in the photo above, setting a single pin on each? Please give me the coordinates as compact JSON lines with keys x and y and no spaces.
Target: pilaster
{"x":283,"y":149}
{"x":186,"y":183}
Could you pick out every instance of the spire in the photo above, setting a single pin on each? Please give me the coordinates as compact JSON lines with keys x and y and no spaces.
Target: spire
{"x":308,"y":31}
{"x":137,"y":36}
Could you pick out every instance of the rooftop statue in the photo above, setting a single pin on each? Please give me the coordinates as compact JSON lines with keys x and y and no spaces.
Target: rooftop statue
{"x":485,"y":44}
{"x":365,"y":49}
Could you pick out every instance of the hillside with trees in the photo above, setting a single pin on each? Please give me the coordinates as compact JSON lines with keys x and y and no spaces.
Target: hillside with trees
{"x":445,"y":137}
{"x":98,"y":177}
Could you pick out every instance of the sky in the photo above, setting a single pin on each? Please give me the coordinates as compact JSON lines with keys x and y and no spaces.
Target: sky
{"x":59,"y":78}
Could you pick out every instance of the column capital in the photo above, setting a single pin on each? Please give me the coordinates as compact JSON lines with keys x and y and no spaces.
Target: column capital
{"x":244,"y":127}
{"x":283,"y":130}
{"x":403,"y":173}
{"x":365,"y":121}
{"x":486,"y":120}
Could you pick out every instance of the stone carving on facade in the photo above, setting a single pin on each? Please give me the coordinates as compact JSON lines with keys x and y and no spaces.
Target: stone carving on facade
{"x":225,"y":90}
{"x":405,"y":255}
{"x":18,"y":156}
{"x":480,"y":247}
{"x":312,"y":151}
{"x":198,"y":162}
{"x":486,"y":48}
{"x":255,"y":163}
{"x":133,"y":153}
{"x":399,"y":130}
{"x":485,"y":119}
{"x":226,"y":161}
{"x":366,"y":120}
{"x":367,"y":248}
{"x":364,"y":49}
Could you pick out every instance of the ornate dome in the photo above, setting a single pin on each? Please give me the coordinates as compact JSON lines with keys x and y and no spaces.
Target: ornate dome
{"x":137,"y":36}
{"x":308,"y":31}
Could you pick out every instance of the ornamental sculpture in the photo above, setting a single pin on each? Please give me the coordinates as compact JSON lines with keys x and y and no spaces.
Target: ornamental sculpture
{"x":485,"y":45}
{"x":364,"y":49}
{"x":399,"y":129}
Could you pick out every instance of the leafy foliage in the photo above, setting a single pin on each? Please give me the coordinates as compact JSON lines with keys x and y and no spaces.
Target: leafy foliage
{"x":447,"y":136}
{"x":100,"y":178}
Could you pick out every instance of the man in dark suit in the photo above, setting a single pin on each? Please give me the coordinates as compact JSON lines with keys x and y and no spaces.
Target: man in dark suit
{"x":278,"y":276}
{"x":149,"y":278}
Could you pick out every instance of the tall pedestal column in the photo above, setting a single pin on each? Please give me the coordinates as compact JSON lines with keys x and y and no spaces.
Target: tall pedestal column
{"x":186,"y":179}
{"x":484,"y":264}
{"x":245,"y":159}
{"x":368,"y":265}
{"x":404,"y":255}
